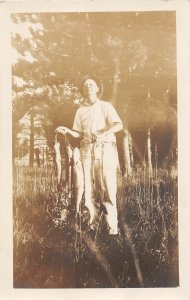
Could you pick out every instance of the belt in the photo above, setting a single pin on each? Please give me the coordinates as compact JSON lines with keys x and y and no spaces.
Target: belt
{"x":83,"y":143}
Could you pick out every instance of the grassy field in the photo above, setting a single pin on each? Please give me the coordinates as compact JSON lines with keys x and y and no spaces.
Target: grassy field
{"x":49,"y":253}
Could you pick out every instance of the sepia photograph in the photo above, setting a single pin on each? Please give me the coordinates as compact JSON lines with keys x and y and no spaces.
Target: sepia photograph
{"x":94,"y":149}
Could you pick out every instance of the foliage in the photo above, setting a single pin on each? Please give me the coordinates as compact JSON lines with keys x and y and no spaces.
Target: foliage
{"x":133,"y":54}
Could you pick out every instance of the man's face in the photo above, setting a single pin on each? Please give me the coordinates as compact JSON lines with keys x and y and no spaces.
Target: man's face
{"x":91,"y":89}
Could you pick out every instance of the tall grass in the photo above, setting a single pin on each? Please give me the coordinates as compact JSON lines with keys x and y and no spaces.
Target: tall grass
{"x":34,"y":179}
{"x":147,"y":247}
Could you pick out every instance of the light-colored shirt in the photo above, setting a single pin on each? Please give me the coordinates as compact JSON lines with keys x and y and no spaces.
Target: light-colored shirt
{"x":96,"y":117}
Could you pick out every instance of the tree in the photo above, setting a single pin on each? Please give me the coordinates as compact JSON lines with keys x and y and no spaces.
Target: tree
{"x":133,"y":53}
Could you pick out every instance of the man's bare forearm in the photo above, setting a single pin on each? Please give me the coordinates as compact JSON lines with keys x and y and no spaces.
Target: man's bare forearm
{"x":65,"y":130}
{"x":74,"y":133}
{"x":114,"y":128}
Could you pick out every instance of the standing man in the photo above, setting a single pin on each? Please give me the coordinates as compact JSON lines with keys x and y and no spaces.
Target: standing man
{"x":96,"y":125}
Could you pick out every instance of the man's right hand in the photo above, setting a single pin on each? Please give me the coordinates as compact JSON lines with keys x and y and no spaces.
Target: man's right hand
{"x":62,"y":129}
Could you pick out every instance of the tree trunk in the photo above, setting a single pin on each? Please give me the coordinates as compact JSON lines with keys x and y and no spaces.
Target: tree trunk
{"x":149,"y":152}
{"x":115,"y":80}
{"x":37,"y":154}
{"x":31,"y":155}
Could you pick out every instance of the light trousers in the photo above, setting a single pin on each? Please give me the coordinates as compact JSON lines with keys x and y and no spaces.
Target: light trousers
{"x":100,"y":165}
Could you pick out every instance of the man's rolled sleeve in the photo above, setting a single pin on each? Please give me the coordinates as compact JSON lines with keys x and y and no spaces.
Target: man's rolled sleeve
{"x":112,"y":115}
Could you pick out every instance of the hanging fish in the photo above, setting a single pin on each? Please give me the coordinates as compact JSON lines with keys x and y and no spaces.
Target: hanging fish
{"x":127,"y":156}
{"x":78,"y":178}
{"x":124,"y":147}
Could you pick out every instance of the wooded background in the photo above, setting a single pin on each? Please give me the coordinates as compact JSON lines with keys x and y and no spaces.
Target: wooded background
{"x":132,"y":53}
